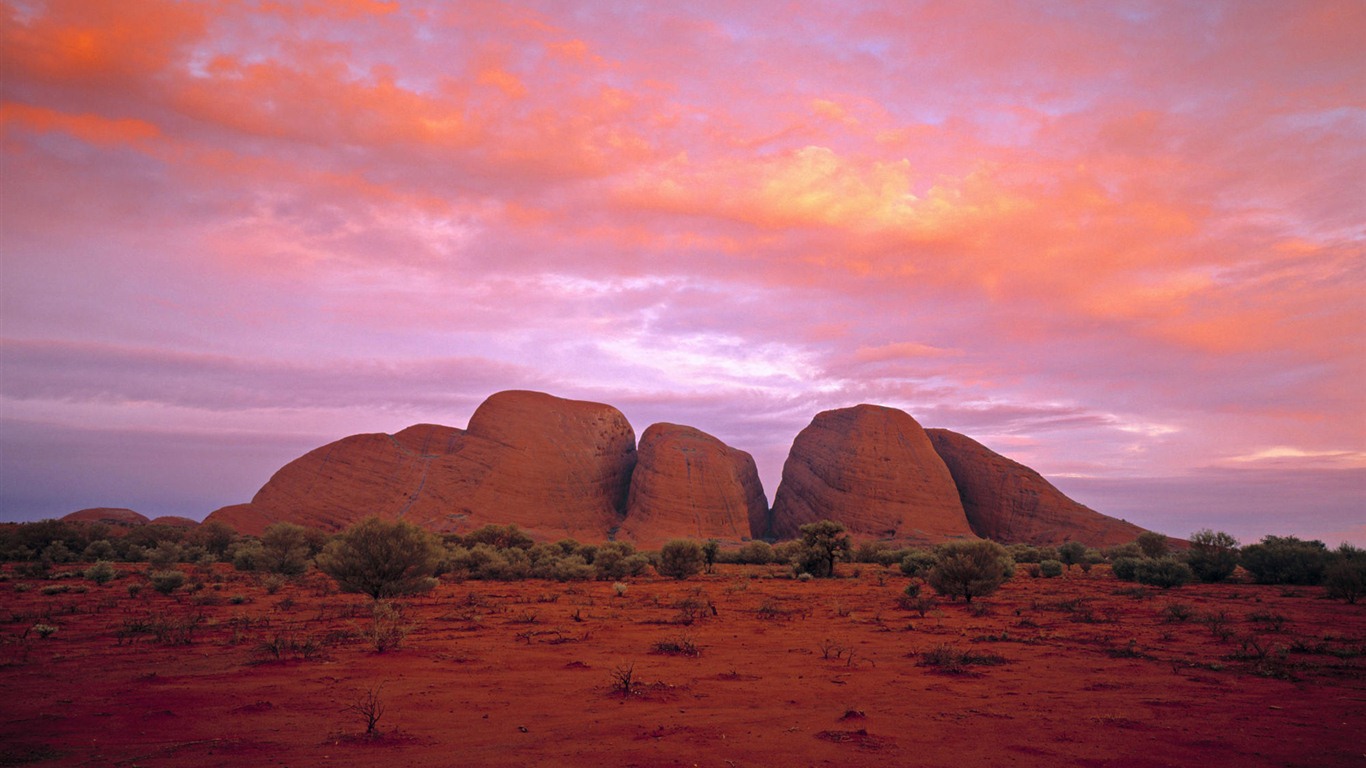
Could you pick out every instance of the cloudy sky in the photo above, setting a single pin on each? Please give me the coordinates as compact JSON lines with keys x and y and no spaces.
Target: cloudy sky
{"x":1120,"y":242}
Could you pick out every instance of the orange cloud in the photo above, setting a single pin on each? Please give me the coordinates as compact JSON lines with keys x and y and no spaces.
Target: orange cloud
{"x":90,"y":128}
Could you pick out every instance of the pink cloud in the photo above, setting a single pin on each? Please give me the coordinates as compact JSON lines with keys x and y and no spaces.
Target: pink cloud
{"x":1118,"y":239}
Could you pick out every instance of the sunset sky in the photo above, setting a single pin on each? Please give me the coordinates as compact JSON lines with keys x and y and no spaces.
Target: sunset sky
{"x":1120,"y":242}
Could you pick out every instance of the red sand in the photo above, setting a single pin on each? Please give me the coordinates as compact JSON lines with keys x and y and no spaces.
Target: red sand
{"x":522,"y":674}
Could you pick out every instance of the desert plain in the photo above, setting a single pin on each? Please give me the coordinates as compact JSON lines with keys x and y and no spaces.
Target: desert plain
{"x":744,"y":666}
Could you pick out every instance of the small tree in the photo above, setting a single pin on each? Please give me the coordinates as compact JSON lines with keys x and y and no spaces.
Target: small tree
{"x":284,"y":549}
{"x":681,"y":558}
{"x":1071,"y":553}
{"x":382,"y":559}
{"x":1286,"y":560}
{"x":1345,"y":578}
{"x":1152,"y":543}
{"x":1213,"y":555}
{"x":710,"y":551}
{"x":970,"y":569}
{"x":824,"y":543}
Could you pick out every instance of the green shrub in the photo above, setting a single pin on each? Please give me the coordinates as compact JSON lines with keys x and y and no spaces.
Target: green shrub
{"x":382,"y":559}
{"x":823,"y":544}
{"x":99,"y":549}
{"x":755,"y":553}
{"x":970,"y":569}
{"x":1345,"y":578}
{"x":1285,"y":560}
{"x":1125,"y":568}
{"x":617,"y":560}
{"x":1072,"y":552}
{"x":1050,"y":569}
{"x":285,"y":549}
{"x":248,"y":556}
{"x":101,"y":572}
{"x":1152,"y":543}
{"x":916,"y":562}
{"x":1213,"y":555}
{"x":1130,"y":550}
{"x":166,"y":582}
{"x":681,"y":558}
{"x":1165,"y":572}
{"x":499,"y":537}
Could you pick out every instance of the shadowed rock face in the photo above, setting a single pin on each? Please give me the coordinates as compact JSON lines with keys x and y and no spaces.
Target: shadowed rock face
{"x":557,"y":468}
{"x":873,"y":469}
{"x":109,"y":515}
{"x":1009,"y":502}
{"x":688,"y":484}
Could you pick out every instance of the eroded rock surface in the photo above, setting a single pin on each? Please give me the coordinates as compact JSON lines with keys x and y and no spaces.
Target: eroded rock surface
{"x":688,"y":484}
{"x":873,"y":469}
{"x":1009,"y":502}
{"x":555,"y":467}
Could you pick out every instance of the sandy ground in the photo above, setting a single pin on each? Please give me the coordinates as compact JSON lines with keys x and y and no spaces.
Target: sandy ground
{"x":1085,"y":671}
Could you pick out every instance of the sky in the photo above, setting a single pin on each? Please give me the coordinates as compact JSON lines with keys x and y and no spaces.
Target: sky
{"x":1119,"y":242}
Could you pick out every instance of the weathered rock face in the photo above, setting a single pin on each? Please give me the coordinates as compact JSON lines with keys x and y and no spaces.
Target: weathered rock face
{"x":873,"y":469}
{"x":107,"y":515}
{"x":557,"y":468}
{"x":1009,"y":502}
{"x":688,"y":484}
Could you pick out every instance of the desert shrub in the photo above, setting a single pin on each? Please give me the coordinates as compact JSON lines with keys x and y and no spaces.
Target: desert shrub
{"x":969,"y":569}
{"x":1285,"y":560}
{"x":876,"y":553}
{"x":166,"y":582}
{"x":949,"y":660}
{"x":755,"y":553}
{"x":680,"y":558}
{"x":1345,"y":578}
{"x":97,"y":550}
{"x":823,"y":544}
{"x":1130,"y":550}
{"x":1072,"y":552}
{"x":565,"y":568}
{"x":787,"y":552}
{"x":916,"y":562}
{"x":215,"y":537}
{"x":382,"y":559}
{"x":1050,"y":569}
{"x":1213,"y":555}
{"x":678,"y":645}
{"x":1152,"y":544}
{"x":499,"y":537}
{"x":617,"y":560}
{"x":1165,"y":572}
{"x":711,"y":550}
{"x":100,"y":573}
{"x":386,"y":629}
{"x":1125,"y":568}
{"x":164,"y":555}
{"x":285,"y":549}
{"x":248,"y":556}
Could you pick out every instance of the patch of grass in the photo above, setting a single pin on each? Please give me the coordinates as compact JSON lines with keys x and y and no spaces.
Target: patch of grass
{"x":949,"y":660}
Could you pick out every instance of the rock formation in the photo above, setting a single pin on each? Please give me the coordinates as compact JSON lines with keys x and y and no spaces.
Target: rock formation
{"x":873,"y":469}
{"x":688,"y":484}
{"x":1009,"y":502}
{"x":108,"y":515}
{"x":557,"y":468}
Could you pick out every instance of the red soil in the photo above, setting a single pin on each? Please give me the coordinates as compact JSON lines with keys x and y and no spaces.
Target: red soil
{"x":789,"y":673}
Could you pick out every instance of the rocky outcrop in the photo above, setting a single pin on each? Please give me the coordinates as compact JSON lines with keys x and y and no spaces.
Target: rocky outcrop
{"x":107,"y":515}
{"x":557,"y":468}
{"x":688,"y":484}
{"x":1009,"y":502}
{"x":872,"y":469}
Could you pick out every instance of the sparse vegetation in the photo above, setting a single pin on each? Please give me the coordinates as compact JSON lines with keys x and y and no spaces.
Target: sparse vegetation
{"x":680,"y":559}
{"x":970,"y":569}
{"x":1213,"y":555}
{"x":382,"y":559}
